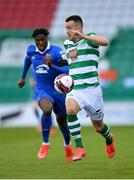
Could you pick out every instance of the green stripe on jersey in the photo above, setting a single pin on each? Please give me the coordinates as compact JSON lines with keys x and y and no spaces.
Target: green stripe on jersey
{"x":90,"y":43}
{"x":83,"y":64}
{"x":87,"y":51}
{"x":85,"y":85}
{"x":84,"y":75}
{"x":70,"y":46}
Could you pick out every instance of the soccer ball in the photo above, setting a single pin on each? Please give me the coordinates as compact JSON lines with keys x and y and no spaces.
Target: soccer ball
{"x":63,"y":83}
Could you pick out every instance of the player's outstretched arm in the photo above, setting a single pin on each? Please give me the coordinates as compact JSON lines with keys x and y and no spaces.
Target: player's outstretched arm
{"x":61,"y":68}
{"x":27,"y":64}
{"x":63,"y":65}
{"x":97,"y":39}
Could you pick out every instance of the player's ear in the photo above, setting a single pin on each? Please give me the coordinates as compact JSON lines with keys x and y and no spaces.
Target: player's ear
{"x":47,"y":38}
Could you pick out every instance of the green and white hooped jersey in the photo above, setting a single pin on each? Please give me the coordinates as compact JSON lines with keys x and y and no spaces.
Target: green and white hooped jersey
{"x":84,"y":68}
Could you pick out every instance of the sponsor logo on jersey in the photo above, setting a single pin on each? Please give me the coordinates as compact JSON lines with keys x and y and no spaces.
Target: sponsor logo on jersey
{"x":42,"y":69}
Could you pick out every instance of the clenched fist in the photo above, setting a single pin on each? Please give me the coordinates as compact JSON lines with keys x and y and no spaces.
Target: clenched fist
{"x":47,"y":60}
{"x":21,"y":83}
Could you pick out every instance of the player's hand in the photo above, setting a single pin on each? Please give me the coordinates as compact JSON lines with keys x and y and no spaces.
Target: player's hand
{"x":47,"y":60}
{"x":21,"y":83}
{"x":78,"y":33}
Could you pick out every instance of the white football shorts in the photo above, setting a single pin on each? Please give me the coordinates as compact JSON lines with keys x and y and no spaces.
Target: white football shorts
{"x":91,"y":100}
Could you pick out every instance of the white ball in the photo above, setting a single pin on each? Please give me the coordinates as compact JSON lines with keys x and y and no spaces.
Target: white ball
{"x":63,"y":83}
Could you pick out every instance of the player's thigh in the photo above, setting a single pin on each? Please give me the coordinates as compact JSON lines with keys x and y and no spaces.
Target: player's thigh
{"x":59,"y":104}
{"x":93,"y":102}
{"x":44,"y":99}
{"x":72,"y":107}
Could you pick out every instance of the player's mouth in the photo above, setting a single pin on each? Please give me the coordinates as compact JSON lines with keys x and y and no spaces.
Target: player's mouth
{"x":69,"y":36}
{"x":41,"y":47}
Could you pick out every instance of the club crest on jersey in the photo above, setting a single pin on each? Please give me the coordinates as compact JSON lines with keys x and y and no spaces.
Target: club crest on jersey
{"x":42,"y":69}
{"x":33,"y":57}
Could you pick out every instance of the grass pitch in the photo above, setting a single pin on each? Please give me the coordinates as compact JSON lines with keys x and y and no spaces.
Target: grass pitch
{"x":19,"y":147}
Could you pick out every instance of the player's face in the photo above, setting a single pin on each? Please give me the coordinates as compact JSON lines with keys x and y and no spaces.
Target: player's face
{"x":41,"y":42}
{"x":70,"y":26}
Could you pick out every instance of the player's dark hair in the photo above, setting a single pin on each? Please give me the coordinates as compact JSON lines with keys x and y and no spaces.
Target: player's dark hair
{"x":74,"y":18}
{"x":40,"y":31}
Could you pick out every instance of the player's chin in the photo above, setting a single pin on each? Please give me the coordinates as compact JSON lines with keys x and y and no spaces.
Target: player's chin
{"x":70,"y":38}
{"x":41,"y":48}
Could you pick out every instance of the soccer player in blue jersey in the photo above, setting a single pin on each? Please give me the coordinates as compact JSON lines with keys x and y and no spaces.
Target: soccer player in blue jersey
{"x":35,"y":106}
{"x":47,"y":64}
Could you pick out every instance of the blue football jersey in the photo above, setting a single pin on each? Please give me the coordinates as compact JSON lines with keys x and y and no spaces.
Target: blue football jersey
{"x":44,"y":76}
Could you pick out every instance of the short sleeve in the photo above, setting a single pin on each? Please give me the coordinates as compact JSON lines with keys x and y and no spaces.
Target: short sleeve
{"x":59,"y":54}
{"x":90,"y":43}
{"x":30,"y":50}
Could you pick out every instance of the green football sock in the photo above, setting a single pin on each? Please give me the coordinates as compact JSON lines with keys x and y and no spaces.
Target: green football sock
{"x":106,"y":133}
{"x":74,"y":127}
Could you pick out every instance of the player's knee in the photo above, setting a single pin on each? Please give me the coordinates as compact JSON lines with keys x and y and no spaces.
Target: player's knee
{"x":71,"y":111}
{"x":98,"y":125}
{"x":47,"y":111}
{"x":99,"y":128}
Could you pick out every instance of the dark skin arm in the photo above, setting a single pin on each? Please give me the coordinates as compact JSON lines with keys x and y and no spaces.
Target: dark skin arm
{"x":21,"y":83}
{"x":48,"y":61}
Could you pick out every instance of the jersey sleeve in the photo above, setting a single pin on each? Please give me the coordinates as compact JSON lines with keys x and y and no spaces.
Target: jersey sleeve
{"x":90,"y":43}
{"x":91,"y":33}
{"x":59,"y":56}
{"x":27,"y":61}
{"x":30,"y":50}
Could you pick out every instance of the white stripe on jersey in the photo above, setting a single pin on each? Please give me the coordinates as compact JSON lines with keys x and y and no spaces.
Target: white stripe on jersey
{"x":87,"y":80}
{"x":82,"y":70}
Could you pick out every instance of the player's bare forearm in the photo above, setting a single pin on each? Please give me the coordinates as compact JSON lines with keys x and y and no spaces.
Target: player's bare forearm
{"x":97,"y":39}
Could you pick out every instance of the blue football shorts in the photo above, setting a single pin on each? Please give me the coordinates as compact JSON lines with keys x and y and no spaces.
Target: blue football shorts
{"x":56,"y":98}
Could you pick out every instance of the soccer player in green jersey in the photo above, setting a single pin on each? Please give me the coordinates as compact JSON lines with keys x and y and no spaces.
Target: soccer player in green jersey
{"x":82,"y":51}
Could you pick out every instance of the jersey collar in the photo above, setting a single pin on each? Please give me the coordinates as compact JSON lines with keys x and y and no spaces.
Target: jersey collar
{"x":42,"y":52}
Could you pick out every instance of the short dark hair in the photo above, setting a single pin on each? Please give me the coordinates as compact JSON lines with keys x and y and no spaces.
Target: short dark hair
{"x":40,"y":31}
{"x":75,"y":18}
